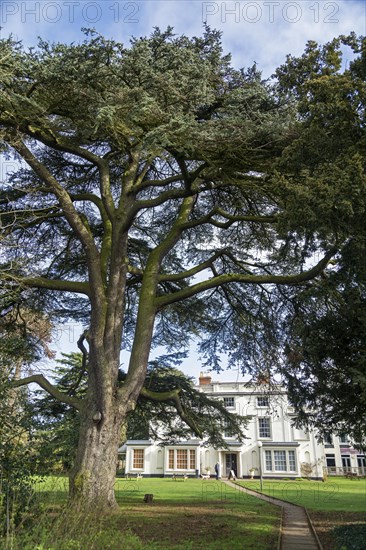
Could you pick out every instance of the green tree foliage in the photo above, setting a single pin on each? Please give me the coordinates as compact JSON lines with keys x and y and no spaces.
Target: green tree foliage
{"x":326,"y":157}
{"x":24,"y":339}
{"x":166,"y":388}
{"x":19,"y":454}
{"x":56,"y":423}
{"x":325,"y":328}
{"x":199,"y":414}
{"x":165,"y":196}
{"x":325,"y":367}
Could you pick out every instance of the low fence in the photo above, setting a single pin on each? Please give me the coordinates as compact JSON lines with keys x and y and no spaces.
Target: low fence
{"x":345,"y":471}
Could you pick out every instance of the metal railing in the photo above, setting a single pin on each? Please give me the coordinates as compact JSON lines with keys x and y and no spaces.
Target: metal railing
{"x":346,"y":471}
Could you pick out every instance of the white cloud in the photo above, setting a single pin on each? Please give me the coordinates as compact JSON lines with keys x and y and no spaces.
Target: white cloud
{"x":260,"y":30}
{"x":264,"y":31}
{"x":283,"y":27}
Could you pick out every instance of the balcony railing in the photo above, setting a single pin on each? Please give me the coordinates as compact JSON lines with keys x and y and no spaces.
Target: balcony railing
{"x":346,"y":471}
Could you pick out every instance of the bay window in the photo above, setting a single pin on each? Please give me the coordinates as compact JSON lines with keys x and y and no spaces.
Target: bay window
{"x":182,"y":459}
{"x":280,"y":460}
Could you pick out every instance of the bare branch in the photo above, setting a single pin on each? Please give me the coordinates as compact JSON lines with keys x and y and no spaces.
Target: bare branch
{"x":172,"y":194}
{"x":189,"y":176}
{"x":158,"y":183}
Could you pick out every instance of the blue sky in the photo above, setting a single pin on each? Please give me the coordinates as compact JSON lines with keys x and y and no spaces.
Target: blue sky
{"x":261,"y":31}
{"x":264,"y":31}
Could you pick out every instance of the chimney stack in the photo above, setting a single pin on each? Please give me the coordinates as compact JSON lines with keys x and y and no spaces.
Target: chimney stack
{"x":204,"y":379}
{"x":264,"y":377}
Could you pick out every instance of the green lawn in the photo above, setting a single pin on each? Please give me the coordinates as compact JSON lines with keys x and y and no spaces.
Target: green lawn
{"x":52,"y":489}
{"x":191,"y":514}
{"x":197,"y":514}
{"x":335,"y":494}
{"x":184,"y":515}
{"x":337,"y":507}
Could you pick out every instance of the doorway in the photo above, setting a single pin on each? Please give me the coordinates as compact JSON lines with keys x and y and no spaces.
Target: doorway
{"x":361,"y":463}
{"x":346,"y":463}
{"x":231,"y":464}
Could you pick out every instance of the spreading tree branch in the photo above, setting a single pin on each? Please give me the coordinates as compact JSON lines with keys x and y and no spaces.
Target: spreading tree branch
{"x":173,"y":397}
{"x":231,"y":219}
{"x":190,"y":272}
{"x":48,"y":284}
{"x":84,"y":351}
{"x":63,"y":197}
{"x":214,"y":282}
{"x":49,"y":388}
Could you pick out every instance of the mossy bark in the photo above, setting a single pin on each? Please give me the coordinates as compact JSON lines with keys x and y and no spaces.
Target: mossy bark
{"x":107,"y":404}
{"x":93,"y":476}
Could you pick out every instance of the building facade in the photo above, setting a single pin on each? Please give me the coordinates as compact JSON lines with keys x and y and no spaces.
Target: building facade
{"x":273,"y":447}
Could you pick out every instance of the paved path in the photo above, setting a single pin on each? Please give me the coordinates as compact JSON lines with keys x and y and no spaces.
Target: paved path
{"x":296,"y":531}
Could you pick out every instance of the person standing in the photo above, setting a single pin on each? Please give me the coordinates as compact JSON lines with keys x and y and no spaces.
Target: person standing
{"x":232,"y":474}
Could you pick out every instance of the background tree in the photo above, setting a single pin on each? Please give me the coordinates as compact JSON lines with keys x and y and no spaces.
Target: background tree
{"x":325,"y":331}
{"x":18,"y":457}
{"x":24,"y":339}
{"x":25,"y":334}
{"x":56,"y":423}
{"x":325,"y":367}
{"x":165,"y":390}
{"x":154,"y":207}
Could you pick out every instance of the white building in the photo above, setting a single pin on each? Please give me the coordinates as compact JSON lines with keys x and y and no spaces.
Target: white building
{"x":274,"y":447}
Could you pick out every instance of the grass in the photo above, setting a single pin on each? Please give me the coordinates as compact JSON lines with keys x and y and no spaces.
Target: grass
{"x":336,"y":507}
{"x":193,"y":514}
{"x":335,"y":494}
{"x":197,"y":514}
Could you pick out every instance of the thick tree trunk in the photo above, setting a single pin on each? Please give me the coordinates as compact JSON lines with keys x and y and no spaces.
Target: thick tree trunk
{"x":106,"y":405}
{"x":93,"y":475}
